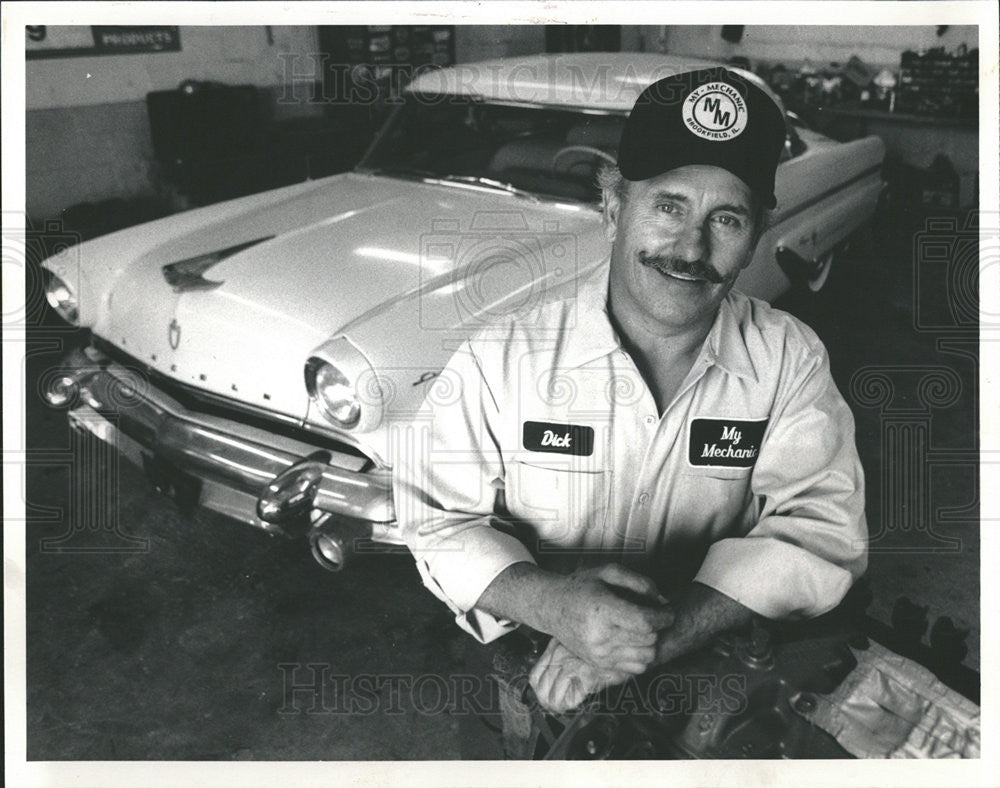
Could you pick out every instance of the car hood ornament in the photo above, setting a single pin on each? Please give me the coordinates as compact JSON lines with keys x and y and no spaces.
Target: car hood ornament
{"x":174,"y":334}
{"x":186,"y":275}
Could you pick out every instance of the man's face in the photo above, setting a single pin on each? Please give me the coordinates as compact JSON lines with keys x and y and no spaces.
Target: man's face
{"x":679,"y":240}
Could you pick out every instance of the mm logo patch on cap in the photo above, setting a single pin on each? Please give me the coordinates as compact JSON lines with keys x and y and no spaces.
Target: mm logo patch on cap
{"x":725,"y":443}
{"x":715,"y":111}
{"x":558,"y":438}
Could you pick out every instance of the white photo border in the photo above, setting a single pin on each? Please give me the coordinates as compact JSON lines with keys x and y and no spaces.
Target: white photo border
{"x":20,"y":772}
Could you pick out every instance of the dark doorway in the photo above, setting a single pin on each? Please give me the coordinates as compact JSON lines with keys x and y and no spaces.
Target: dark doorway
{"x":583,"y":38}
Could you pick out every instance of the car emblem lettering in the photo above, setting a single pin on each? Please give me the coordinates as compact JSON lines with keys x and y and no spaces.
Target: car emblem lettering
{"x":174,"y":334}
{"x":425,"y":377}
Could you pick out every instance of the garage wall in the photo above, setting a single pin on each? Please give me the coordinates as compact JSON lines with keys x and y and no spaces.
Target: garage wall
{"x":916,"y":144}
{"x":88,"y":133}
{"x":483,"y":42}
{"x":792,"y":44}
{"x":87,"y":129}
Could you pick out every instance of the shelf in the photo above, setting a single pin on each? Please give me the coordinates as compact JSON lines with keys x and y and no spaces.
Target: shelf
{"x":899,"y":117}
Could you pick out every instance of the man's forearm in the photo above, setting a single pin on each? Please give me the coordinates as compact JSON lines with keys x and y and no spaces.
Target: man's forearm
{"x":701,"y":613}
{"x":519,"y":593}
{"x":523,"y":592}
{"x":608,"y":615}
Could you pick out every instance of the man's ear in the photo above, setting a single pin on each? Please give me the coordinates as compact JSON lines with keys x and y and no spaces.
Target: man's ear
{"x":610,"y":207}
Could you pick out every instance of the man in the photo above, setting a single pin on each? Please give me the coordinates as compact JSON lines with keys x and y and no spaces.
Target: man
{"x":658,"y":434}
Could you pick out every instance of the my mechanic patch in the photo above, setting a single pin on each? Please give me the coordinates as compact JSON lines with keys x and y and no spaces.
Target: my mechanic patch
{"x":725,"y":443}
{"x":546,"y":436}
{"x":715,"y":111}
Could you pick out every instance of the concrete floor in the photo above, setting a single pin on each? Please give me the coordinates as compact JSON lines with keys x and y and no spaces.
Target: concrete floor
{"x":183,"y":648}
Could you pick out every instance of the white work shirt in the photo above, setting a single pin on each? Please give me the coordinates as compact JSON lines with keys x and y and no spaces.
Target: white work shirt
{"x":542,"y":442}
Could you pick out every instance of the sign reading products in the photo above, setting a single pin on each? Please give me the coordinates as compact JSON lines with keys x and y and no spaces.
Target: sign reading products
{"x":47,"y":41}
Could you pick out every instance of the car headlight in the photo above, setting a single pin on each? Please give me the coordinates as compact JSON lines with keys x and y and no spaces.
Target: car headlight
{"x":331,"y":390}
{"x":62,"y":299}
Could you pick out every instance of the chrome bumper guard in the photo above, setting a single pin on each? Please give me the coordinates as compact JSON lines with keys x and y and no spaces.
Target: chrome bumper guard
{"x":275,"y":482}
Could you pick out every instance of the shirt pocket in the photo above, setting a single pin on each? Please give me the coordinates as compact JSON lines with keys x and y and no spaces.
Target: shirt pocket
{"x":719,"y":472}
{"x":718,"y":500}
{"x":565,"y":507}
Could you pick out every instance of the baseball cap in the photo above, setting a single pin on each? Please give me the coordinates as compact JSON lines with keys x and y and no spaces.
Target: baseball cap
{"x":711,"y":116}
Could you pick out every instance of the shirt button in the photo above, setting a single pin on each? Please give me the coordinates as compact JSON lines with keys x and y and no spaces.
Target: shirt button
{"x":643,"y":498}
{"x":650,"y":419}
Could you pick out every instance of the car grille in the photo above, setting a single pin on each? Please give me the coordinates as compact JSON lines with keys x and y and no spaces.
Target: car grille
{"x":199,"y":401}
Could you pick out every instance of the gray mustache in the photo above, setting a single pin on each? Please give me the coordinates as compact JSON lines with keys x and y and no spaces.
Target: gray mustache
{"x":676,"y":265}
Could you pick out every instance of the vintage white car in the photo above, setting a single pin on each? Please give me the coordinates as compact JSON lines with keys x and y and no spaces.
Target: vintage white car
{"x":261,"y":357}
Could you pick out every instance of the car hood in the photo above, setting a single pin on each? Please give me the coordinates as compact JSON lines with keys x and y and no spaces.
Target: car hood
{"x":328,"y":258}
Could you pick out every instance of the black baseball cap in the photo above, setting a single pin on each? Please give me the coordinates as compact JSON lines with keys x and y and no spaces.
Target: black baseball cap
{"x":710,"y":116}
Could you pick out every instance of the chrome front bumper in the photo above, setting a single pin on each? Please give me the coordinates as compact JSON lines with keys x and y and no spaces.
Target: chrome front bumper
{"x":236,"y":466}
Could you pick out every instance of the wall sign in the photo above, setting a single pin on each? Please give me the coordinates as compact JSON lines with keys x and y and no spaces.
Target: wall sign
{"x":46,"y":41}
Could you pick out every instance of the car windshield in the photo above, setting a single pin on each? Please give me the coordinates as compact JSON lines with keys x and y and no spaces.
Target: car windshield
{"x":530,"y":151}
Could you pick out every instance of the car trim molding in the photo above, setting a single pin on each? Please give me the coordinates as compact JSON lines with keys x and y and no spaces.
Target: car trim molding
{"x":806,"y":204}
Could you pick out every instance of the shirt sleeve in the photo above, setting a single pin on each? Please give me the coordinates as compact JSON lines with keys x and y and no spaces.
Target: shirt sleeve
{"x":809,"y":543}
{"x":447,"y":466}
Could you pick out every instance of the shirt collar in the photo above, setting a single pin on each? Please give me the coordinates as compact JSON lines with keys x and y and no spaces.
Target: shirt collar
{"x":725,"y":345}
{"x":595,"y":337}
